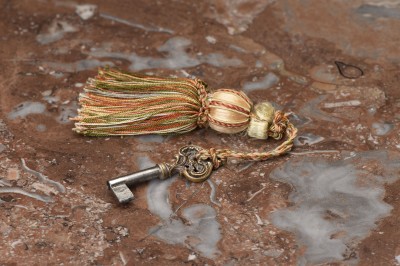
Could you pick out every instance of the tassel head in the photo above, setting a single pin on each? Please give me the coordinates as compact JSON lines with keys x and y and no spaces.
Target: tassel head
{"x":229,"y":111}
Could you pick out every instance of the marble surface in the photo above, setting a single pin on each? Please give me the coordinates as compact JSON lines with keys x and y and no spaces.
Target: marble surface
{"x":332,"y":201}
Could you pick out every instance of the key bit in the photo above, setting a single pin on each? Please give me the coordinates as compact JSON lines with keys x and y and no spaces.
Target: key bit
{"x":119,"y":185}
{"x":187,"y":165}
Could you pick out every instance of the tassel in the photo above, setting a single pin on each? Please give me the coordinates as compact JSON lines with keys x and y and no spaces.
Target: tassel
{"x":118,"y":103}
{"x":121,"y":103}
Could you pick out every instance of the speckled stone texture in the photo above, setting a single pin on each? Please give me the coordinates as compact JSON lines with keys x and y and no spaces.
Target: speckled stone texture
{"x":332,"y":201}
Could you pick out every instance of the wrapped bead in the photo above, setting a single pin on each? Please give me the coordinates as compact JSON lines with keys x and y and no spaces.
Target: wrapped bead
{"x":229,"y":111}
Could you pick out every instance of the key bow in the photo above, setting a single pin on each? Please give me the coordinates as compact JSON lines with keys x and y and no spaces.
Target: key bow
{"x":190,"y":166}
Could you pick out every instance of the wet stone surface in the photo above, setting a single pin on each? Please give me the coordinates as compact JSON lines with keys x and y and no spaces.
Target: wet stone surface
{"x":332,"y":201}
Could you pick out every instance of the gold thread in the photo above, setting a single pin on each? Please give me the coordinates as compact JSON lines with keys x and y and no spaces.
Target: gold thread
{"x":229,"y":111}
{"x":260,"y":121}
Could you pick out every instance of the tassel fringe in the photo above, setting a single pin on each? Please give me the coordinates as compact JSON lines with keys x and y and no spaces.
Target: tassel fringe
{"x":118,"y":103}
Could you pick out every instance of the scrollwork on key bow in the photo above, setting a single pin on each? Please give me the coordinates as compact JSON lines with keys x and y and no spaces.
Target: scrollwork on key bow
{"x":191,"y":167}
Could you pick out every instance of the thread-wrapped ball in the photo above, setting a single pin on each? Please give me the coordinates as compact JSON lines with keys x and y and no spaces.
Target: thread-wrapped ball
{"x":229,"y":111}
{"x":261,"y":120}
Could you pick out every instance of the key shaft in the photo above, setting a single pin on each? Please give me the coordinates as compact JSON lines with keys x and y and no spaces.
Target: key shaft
{"x":138,"y":177}
{"x":119,"y":185}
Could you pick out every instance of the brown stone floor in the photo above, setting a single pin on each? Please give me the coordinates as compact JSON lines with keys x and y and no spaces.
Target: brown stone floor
{"x":333,"y":201}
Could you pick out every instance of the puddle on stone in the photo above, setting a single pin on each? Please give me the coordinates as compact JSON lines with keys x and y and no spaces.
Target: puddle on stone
{"x":238,"y":48}
{"x":299,"y":120}
{"x":379,"y":11}
{"x":150,"y":138}
{"x":41,"y":128}
{"x":56,"y":74}
{"x":27,"y":108}
{"x":81,"y":65}
{"x":176,"y":57}
{"x":219,"y":60}
{"x":144,"y":162}
{"x":311,"y":110}
{"x":237,"y":15}
{"x":336,"y":204}
{"x":157,"y":198}
{"x":2,"y":148}
{"x":55,"y":32}
{"x":42,"y":178}
{"x":145,"y":143}
{"x":47,"y":190}
{"x":51,"y":99}
{"x":5,"y":183}
{"x":213,"y":192}
{"x":351,"y":103}
{"x":211,"y":39}
{"x":86,"y":11}
{"x":397,"y":258}
{"x":381,"y":129}
{"x":384,"y":3}
{"x":20,"y":191}
{"x":43,"y":184}
{"x":266,"y":82}
{"x":136,"y":25}
{"x":203,"y":231}
{"x":67,"y":112}
{"x":276,"y":63}
{"x":326,"y":74}
{"x":307,"y":139}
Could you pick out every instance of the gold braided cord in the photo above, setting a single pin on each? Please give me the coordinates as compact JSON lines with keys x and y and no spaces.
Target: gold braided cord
{"x":281,"y":126}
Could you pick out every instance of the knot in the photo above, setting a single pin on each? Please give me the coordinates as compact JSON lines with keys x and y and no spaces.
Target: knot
{"x":214,"y":158}
{"x":213,"y":155}
{"x":260,"y":121}
{"x":202,"y":118}
{"x":279,"y":125}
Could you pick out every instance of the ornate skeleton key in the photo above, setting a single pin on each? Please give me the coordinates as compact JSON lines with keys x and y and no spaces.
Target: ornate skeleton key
{"x":187,"y":165}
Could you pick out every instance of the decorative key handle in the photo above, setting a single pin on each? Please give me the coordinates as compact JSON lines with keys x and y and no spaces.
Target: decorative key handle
{"x":190,"y":166}
{"x":117,"y":103}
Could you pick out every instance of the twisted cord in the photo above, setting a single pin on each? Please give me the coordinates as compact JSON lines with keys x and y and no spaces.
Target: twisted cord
{"x":202,"y":119}
{"x":281,"y":126}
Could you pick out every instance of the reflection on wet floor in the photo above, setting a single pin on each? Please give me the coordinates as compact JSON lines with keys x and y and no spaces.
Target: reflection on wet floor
{"x":55,"y":32}
{"x":307,"y":139}
{"x":336,"y":204}
{"x":27,"y":108}
{"x":176,"y":58}
{"x":43,"y":184}
{"x":266,"y":82}
{"x":202,"y":234}
{"x":203,"y":231}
